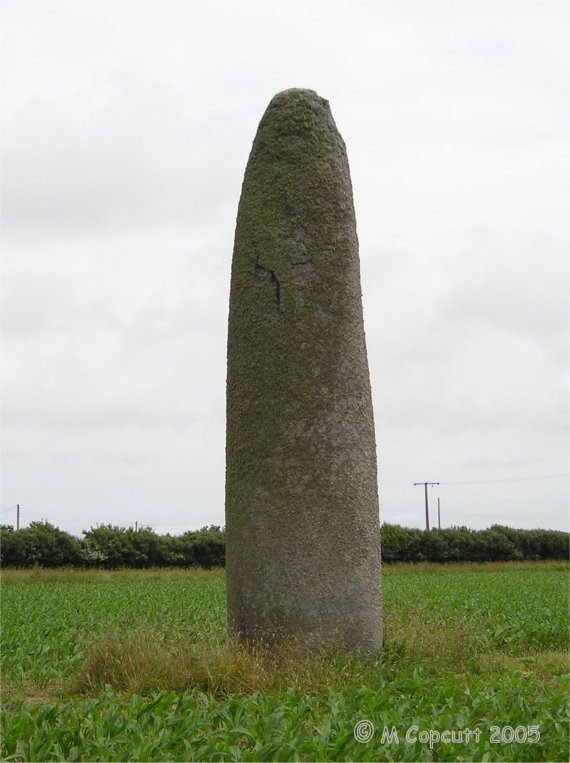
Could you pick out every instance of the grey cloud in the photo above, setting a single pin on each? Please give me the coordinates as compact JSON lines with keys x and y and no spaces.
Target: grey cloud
{"x":516,"y":285}
{"x":126,"y":158}
{"x":127,"y":129}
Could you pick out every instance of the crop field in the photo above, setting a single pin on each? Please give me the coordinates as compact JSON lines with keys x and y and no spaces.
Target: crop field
{"x":129,"y":665}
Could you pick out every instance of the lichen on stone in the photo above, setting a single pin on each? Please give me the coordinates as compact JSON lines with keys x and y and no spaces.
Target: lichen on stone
{"x":299,"y":410}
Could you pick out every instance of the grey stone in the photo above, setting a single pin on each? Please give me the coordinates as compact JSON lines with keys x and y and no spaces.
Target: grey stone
{"x":302,"y":519}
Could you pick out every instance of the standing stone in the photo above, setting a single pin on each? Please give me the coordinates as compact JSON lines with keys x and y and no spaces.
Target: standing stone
{"x":302,"y":524}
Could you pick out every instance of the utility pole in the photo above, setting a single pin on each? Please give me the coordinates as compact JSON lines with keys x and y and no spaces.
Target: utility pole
{"x":438,"y":516}
{"x":136,"y":526}
{"x":17,"y":516}
{"x":425,"y":484}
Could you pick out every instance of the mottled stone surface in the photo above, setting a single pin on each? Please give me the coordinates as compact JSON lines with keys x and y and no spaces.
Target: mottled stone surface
{"x":303,"y":542}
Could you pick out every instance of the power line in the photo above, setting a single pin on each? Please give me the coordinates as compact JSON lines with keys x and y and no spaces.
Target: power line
{"x":507,"y":479}
{"x":17,"y":507}
{"x":425,"y":484}
{"x":509,"y":499}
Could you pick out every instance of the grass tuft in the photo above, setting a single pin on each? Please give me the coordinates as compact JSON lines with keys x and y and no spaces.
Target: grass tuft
{"x":146,"y":661}
{"x":438,"y":644}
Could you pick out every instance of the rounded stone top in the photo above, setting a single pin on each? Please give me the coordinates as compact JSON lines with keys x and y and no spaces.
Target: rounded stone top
{"x":298,"y":98}
{"x":297,"y":94}
{"x":295,"y":114}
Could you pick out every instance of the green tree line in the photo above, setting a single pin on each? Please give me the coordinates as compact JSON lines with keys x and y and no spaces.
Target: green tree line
{"x":461,"y":544}
{"x":109,"y":547}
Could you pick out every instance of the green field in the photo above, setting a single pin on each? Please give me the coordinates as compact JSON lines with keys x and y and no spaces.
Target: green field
{"x":135,"y":666}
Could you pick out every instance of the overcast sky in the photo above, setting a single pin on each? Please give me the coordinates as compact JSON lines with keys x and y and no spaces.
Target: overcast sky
{"x":126,"y":131}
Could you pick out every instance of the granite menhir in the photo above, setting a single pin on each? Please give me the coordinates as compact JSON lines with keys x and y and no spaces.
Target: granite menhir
{"x":302,"y":518}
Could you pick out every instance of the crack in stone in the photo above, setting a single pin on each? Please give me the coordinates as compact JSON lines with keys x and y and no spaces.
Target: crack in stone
{"x":274,"y":280}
